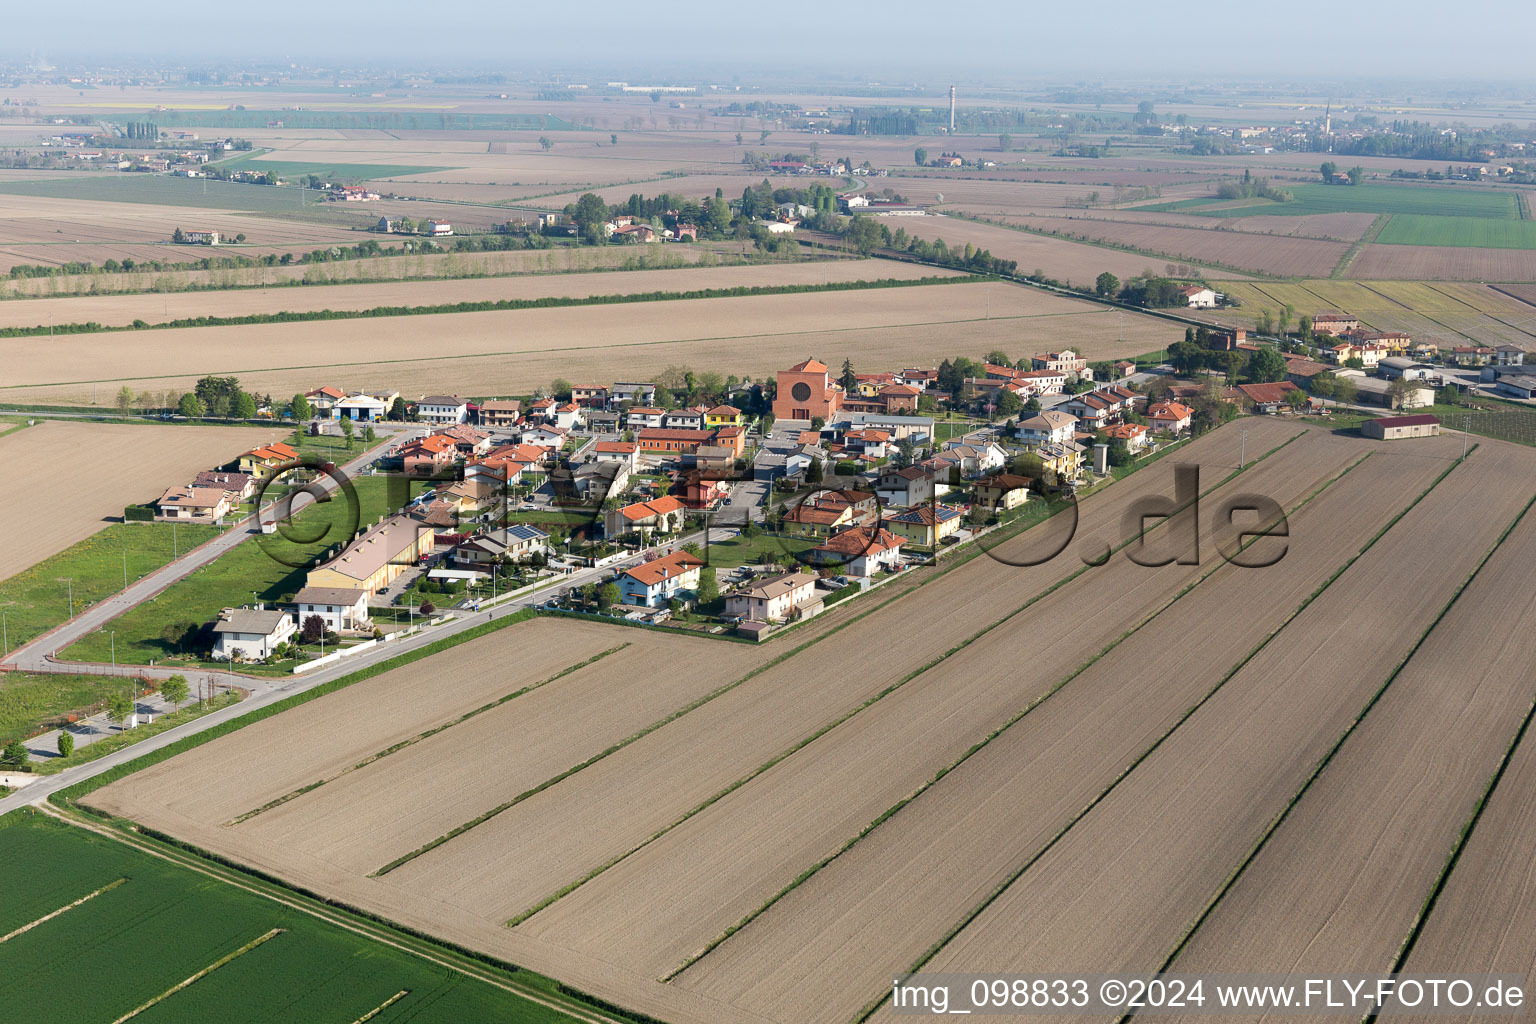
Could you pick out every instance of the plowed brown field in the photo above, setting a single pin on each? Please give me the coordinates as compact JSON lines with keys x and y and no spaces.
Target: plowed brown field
{"x":1443,"y":263}
{"x":129,"y":463}
{"x":879,"y":906}
{"x":1284,"y":255}
{"x":1128,"y":880}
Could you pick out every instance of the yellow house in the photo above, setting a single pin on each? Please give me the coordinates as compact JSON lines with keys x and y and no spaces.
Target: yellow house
{"x":1064,"y":460}
{"x":925,"y":525}
{"x":260,"y":462}
{"x":1003,"y":491}
{"x":814,"y":520}
{"x":376,"y":557}
{"x":722,"y":416}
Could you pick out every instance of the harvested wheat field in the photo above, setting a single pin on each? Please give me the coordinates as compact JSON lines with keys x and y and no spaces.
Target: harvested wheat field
{"x":1267,"y":254}
{"x":670,"y":900}
{"x":562,"y":260}
{"x":515,"y":351}
{"x":1443,"y":263}
{"x":129,"y":463}
{"x":121,"y":310}
{"x":1128,"y":880}
{"x":878,"y":907}
{"x":1059,"y":258}
{"x":1337,"y":887}
{"x":466,"y":888}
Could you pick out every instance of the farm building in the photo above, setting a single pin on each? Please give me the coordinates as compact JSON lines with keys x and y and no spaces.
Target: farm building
{"x":1198,"y":297}
{"x":1378,"y":392}
{"x":1394,"y":367}
{"x":1336,"y":324}
{"x":199,"y":236}
{"x":1518,"y":386}
{"x":1268,"y":397}
{"x":1393,"y":428}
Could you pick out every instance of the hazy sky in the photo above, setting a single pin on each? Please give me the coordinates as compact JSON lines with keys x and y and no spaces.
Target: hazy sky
{"x":1425,"y":39}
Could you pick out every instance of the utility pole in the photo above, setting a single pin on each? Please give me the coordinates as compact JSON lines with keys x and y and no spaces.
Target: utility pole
{"x":5,"y":634}
{"x":113,"y":638}
{"x":1465,"y":429}
{"x":70,"y":583}
{"x":1242,"y":458}
{"x":125,"y":568}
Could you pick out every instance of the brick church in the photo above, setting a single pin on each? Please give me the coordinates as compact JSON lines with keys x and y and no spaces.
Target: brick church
{"x":806,"y":392}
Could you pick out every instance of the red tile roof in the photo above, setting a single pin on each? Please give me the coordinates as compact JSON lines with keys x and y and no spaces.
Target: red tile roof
{"x":662,"y":569}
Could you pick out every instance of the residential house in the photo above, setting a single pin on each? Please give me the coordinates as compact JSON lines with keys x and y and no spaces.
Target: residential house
{"x":1133,"y":434}
{"x":1508,"y":355}
{"x":500,"y":412}
{"x":428,"y":456}
{"x":1336,"y":324}
{"x":918,"y":378}
{"x":197,"y":504}
{"x":691,"y":418}
{"x":1061,"y":460}
{"x":592,"y":482}
{"x":1269,"y":398}
{"x":714,"y":458}
{"x":860,"y":551}
{"x":241,"y":485}
{"x":925,"y":525}
{"x":376,"y":557}
{"x":977,"y":457}
{"x":1471,"y":355}
{"x":437,"y":228}
{"x":1198,"y":297}
{"x":813,"y":517}
{"x":918,"y":428}
{"x":1170,"y":416}
{"x":638,"y":393}
{"x":870,"y":444}
{"x":904,"y":487}
{"x":701,"y":491}
{"x":263,"y":462}
{"x":442,"y":409}
{"x":645,"y":417}
{"x":1003,"y":491}
{"x":722,"y":416}
{"x":1095,"y":411}
{"x":680,"y":442}
{"x":1046,"y":426}
{"x":543,"y":410}
{"x":468,"y":441}
{"x":340,"y":608}
{"x":250,"y":634}
{"x":568,"y":416}
{"x":797,"y":461}
{"x":1064,"y":362}
{"x":1303,"y":372}
{"x":655,"y":583}
{"x":472,"y":496}
{"x":516,"y":543}
{"x":544,"y":436}
{"x":1041,"y":382}
{"x":602,"y":421}
{"x":774,"y":599}
{"x":323,"y":401}
{"x":734,"y":438}
{"x":662,"y":515}
{"x":626,"y":453}
{"x":590,"y":396}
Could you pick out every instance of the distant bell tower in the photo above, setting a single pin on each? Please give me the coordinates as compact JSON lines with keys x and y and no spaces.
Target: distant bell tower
{"x":951,"y":110}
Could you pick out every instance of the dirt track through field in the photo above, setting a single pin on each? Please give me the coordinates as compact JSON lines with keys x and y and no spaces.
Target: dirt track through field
{"x":1126,"y":882}
{"x":829,"y":946}
{"x":1337,"y":887}
{"x":128,"y":463}
{"x":668,"y":901}
{"x":524,"y":856}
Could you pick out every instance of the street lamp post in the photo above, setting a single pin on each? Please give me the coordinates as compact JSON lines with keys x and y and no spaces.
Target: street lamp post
{"x":112,"y":636}
{"x":70,"y":583}
{"x":125,"y":568}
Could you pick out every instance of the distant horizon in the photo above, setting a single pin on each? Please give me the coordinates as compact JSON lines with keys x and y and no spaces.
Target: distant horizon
{"x":1308,"y":39}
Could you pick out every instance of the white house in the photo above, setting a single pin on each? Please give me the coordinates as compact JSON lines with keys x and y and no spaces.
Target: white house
{"x":654,"y":583}
{"x":643,"y":417}
{"x":976,"y":459}
{"x":250,"y":633}
{"x":442,"y":409}
{"x":546,"y":437}
{"x":1198,"y":297}
{"x":860,"y":552}
{"x":1046,"y":427}
{"x":568,"y":416}
{"x":362,"y":408}
{"x":904,"y":487}
{"x":338,"y":607}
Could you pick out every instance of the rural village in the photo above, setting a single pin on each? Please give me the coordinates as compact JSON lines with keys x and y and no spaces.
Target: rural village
{"x":569,"y":547}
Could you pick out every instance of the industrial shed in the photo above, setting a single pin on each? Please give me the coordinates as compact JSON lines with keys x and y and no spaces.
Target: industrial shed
{"x":1394,"y":428}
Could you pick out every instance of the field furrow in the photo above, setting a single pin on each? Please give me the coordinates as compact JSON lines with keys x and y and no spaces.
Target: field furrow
{"x":1339,"y":884}
{"x":1126,"y":883}
{"x":657,"y":908}
{"x":896,"y":893}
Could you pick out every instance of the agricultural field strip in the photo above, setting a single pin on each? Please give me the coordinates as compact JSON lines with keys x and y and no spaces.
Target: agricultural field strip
{"x":1479,"y":917}
{"x":888,"y":899}
{"x":158,"y":852}
{"x":725,"y":862}
{"x":785,"y":706}
{"x":1339,"y":884}
{"x":64,"y":909}
{"x":342,"y":728}
{"x":1277,"y":254}
{"x":121,"y":310}
{"x":39,"y":361}
{"x":426,"y":734}
{"x":1123,"y":887}
{"x":414,"y":797}
{"x":181,"y":986}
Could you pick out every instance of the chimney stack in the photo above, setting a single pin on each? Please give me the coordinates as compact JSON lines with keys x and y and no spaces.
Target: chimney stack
{"x":951,"y":110}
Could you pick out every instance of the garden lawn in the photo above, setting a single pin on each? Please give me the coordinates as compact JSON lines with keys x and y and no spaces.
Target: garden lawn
{"x":739,"y":550}
{"x":152,"y":924}
{"x":37,"y":599}
{"x":270,"y":566}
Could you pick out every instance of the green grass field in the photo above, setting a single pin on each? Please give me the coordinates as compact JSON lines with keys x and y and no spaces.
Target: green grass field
{"x":37,"y":599}
{"x":739,"y":550}
{"x":27,"y":698}
{"x":1449,"y":201}
{"x":149,"y":926}
{"x":290,"y":169}
{"x":1481,"y":232}
{"x":273,"y":567}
